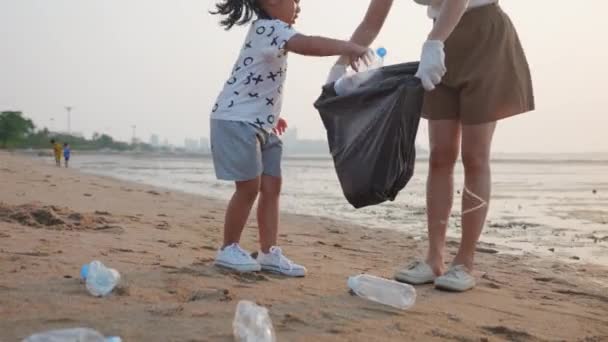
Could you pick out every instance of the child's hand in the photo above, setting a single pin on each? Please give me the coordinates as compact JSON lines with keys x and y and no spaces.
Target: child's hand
{"x":281,"y":127}
{"x":357,"y":54}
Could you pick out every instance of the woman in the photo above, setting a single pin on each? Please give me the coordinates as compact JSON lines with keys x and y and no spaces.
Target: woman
{"x":482,"y":77}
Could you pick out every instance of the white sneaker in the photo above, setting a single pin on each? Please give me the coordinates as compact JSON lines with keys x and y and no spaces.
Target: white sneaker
{"x":276,"y":262}
{"x":457,"y":279}
{"x":236,"y":258}
{"x":417,"y":273}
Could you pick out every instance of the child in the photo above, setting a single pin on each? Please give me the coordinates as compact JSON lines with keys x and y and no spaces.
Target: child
{"x":66,"y":153}
{"x":244,"y":146}
{"x":56,"y":152}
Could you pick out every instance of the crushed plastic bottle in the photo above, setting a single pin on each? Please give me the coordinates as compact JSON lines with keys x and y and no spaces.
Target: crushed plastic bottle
{"x":100,"y":280}
{"x":252,"y":323}
{"x":113,"y":339}
{"x":352,"y":81}
{"x":71,"y":335}
{"x":383,"y":291}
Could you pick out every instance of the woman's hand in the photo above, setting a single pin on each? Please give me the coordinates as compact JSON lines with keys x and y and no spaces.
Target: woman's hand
{"x":432,"y":64}
{"x":281,"y":127}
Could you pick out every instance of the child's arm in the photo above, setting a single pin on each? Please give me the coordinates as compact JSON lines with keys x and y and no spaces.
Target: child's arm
{"x":322,"y":47}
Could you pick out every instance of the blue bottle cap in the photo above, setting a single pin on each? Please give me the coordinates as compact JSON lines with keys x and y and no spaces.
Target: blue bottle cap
{"x":84,"y":271}
{"x":381,"y":52}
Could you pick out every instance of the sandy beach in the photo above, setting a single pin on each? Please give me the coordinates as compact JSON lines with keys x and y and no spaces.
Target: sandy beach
{"x":163,"y":242}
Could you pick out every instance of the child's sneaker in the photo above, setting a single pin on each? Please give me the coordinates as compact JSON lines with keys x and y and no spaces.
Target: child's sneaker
{"x":276,"y":262}
{"x":236,"y":258}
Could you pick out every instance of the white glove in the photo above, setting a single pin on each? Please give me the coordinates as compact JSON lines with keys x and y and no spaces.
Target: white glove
{"x":432,"y":64}
{"x":335,"y":73}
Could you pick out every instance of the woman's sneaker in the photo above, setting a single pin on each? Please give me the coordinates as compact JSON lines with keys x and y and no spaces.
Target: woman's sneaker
{"x":417,"y":273}
{"x":276,"y":262}
{"x":235,"y":258}
{"x":458,"y":279}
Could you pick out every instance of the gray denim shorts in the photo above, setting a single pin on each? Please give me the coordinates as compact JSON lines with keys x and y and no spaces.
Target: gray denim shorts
{"x":242,"y":151}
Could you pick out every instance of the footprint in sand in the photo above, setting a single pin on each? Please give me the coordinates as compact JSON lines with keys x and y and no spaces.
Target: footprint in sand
{"x":163,"y":225}
{"x":110,"y":229}
{"x":166,"y":312}
{"x":222,"y":295}
{"x":196,"y":271}
{"x":289,"y":319}
{"x":246,"y":278}
{"x":126,"y":250}
{"x":33,"y":254}
{"x":509,"y":333}
{"x":122,"y":290}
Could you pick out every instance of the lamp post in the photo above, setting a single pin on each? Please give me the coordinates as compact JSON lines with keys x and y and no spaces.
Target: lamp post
{"x":69,"y":110}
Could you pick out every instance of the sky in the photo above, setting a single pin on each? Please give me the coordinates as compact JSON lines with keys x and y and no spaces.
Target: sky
{"x":160,"y":64}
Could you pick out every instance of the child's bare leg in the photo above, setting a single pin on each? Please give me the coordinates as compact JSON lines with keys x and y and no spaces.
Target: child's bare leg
{"x":268,"y":211}
{"x":268,"y":221}
{"x":239,"y":209}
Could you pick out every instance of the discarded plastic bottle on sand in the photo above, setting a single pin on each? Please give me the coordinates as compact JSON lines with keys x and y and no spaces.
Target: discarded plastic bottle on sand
{"x":100,"y":280}
{"x":71,"y":335}
{"x":351,"y":82}
{"x":252,"y":323}
{"x":383,"y":291}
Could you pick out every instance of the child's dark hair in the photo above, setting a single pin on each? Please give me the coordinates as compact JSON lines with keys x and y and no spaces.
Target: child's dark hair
{"x":238,"y":12}
{"x":52,"y":141}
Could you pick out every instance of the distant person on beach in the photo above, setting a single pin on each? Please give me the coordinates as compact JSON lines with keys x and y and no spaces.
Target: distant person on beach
{"x":67,"y":152}
{"x":475,"y":72}
{"x":245,"y":122}
{"x":57,"y":149}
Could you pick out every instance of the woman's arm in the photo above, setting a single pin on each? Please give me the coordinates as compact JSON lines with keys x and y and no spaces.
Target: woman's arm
{"x":432,"y":62}
{"x":371,"y":25}
{"x":449,"y":16}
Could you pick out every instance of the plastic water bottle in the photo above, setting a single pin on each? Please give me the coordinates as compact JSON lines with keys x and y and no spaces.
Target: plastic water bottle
{"x":252,"y":323}
{"x":71,"y":335}
{"x":100,"y":280}
{"x":383,"y":291}
{"x":351,"y":82}
{"x":378,"y":61}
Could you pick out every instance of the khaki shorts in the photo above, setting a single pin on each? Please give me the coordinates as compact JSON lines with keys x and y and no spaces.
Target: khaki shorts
{"x":487,"y":77}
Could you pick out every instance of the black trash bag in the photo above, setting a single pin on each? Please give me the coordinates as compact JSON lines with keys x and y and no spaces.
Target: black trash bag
{"x":372,"y":133}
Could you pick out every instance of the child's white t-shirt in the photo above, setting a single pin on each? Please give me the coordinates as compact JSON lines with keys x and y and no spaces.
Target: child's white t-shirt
{"x":253,"y":92}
